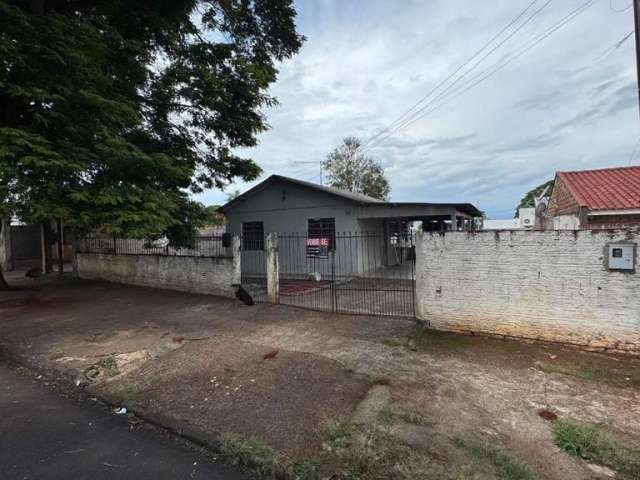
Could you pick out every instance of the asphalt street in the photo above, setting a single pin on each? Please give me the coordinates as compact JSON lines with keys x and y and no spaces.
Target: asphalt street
{"x":46,"y":436}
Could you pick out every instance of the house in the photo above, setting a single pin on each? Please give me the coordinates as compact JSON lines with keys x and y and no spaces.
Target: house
{"x":591,"y":199}
{"x":318,"y":213}
{"x":283,"y":204}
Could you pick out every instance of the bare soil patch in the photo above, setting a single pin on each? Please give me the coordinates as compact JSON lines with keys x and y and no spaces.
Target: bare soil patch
{"x":225,"y":385}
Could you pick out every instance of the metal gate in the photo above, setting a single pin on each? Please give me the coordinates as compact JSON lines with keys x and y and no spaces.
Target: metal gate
{"x":357,"y":273}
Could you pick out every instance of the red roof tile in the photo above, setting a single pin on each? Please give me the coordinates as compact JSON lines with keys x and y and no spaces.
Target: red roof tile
{"x":605,"y":189}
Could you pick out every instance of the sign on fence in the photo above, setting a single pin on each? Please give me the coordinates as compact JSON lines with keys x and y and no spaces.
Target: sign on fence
{"x":317,"y":248}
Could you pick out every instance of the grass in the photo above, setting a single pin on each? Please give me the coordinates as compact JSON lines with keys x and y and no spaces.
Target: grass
{"x":425,"y":339}
{"x":109,"y":366}
{"x":125,"y":393}
{"x":369,"y":452}
{"x":393,"y":342}
{"x":507,"y":468}
{"x":415,"y":418}
{"x":594,"y":444}
{"x":623,"y":377}
{"x":250,"y":453}
{"x":378,"y":380}
{"x":386,"y":417}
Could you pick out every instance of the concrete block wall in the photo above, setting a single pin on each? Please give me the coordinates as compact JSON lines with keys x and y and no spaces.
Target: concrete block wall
{"x":546,"y":285}
{"x":204,"y":275}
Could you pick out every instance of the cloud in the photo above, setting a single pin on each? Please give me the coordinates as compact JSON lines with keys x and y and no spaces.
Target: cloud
{"x":367,"y":62}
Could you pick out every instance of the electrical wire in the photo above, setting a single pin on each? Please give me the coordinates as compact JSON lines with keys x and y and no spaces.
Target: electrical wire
{"x":483,"y":75}
{"x":613,"y":47}
{"x":454,"y":73}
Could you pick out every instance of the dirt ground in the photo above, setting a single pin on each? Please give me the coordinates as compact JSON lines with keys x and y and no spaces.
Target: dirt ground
{"x":199,"y":360}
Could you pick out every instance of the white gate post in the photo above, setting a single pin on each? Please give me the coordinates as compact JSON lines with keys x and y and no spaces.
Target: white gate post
{"x":236,"y":278}
{"x":273,"y":269}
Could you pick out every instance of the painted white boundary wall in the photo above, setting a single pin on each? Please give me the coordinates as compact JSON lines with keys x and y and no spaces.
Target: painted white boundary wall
{"x":205,"y":275}
{"x":546,"y":285}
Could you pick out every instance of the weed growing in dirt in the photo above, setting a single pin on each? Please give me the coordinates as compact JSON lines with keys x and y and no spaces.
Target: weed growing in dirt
{"x":337,"y":432}
{"x":305,"y":470}
{"x":426,"y":339}
{"x":506,"y":466}
{"x":386,"y":417}
{"x":393,"y":342}
{"x":592,"y":443}
{"x":125,"y":393}
{"x":109,"y":366}
{"x":248,"y":452}
{"x":415,"y":418}
{"x":369,"y":452}
{"x":619,"y":377}
{"x":378,"y":380}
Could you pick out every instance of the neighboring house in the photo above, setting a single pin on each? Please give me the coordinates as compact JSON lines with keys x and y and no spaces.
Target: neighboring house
{"x":524,"y":221}
{"x":289,"y":206}
{"x":591,"y":199}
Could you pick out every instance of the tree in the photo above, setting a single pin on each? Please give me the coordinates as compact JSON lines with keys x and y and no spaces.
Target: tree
{"x":350,"y":169}
{"x":214,"y":216}
{"x":114,"y":111}
{"x":529,"y":200}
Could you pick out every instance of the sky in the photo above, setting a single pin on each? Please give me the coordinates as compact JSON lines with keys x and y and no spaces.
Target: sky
{"x":568,"y":103}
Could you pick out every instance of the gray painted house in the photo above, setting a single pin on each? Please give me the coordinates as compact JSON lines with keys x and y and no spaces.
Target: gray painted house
{"x":290,"y":206}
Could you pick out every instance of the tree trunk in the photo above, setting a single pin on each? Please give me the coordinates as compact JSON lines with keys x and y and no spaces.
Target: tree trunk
{"x":3,"y":283}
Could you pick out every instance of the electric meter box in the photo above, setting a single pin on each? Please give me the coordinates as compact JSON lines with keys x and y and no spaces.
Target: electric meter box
{"x":621,"y":256}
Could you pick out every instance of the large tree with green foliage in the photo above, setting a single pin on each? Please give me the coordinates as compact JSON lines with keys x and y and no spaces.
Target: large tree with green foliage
{"x":349,"y":168}
{"x":529,"y":199}
{"x":112,"y":112}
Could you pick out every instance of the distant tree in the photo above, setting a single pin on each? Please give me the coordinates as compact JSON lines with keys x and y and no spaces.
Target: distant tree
{"x":350,"y":169}
{"x":112,"y":111}
{"x":233,"y":195}
{"x":214,"y":217}
{"x":530,"y":197}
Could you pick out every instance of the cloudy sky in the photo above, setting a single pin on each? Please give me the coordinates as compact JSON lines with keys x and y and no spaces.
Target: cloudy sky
{"x":567,"y":103}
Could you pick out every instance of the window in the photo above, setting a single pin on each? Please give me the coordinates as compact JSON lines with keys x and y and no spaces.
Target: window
{"x":252,"y":236}
{"x":322,"y":228}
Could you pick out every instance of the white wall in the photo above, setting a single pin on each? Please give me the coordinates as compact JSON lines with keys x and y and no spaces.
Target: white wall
{"x":205,"y":275}
{"x":549,"y":285}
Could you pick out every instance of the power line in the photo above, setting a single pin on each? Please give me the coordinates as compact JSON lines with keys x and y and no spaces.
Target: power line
{"x":440,"y":84}
{"x":492,"y":70}
{"x":633,"y":153}
{"x":449,"y":87}
{"x":613,"y":47}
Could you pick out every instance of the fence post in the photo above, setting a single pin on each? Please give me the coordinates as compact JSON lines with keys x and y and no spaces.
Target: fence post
{"x":273,"y":269}
{"x":237,"y":261}
{"x":419,"y":275}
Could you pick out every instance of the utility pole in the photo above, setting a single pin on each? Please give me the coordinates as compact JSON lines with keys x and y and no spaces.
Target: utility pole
{"x":636,"y":24}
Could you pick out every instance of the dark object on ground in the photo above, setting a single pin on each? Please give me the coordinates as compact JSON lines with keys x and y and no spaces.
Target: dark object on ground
{"x":52,"y":438}
{"x":270,"y":355}
{"x":34,"y":272}
{"x":243,"y":296}
{"x":179,"y":339}
{"x":548,"y":415}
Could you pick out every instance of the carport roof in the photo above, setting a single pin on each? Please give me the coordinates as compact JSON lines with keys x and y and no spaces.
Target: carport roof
{"x":358,"y":198}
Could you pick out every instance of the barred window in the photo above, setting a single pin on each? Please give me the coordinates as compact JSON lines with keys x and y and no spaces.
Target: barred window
{"x":323,"y":228}
{"x":252,"y":236}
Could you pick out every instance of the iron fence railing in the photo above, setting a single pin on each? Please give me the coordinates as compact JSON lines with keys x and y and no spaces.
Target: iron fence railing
{"x":210,"y":246}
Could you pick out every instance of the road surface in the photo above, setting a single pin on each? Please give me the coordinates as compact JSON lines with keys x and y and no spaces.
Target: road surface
{"x":46,"y":436}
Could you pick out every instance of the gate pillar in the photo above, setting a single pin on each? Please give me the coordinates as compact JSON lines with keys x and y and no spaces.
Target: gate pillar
{"x":273,"y":269}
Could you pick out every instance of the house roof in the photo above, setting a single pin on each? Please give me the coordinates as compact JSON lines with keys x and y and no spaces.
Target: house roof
{"x":605,"y":189}
{"x":360,"y":198}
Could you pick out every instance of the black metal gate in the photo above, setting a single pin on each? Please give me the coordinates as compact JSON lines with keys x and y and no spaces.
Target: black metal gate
{"x":357,"y":273}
